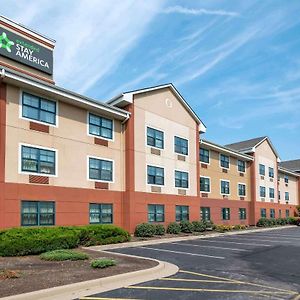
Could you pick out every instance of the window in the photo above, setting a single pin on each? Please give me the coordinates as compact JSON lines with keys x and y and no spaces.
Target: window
{"x":262,"y":191}
{"x":241,"y":166}
{"x":155,"y":175}
{"x":279,"y":195}
{"x":37,"y":213}
{"x":101,"y":213}
{"x":39,"y":109}
{"x":224,"y":160}
{"x":287,"y":196}
{"x":226,"y":213}
{"x":242,"y":189}
{"x":182,"y":213}
{"x":286,"y":178}
{"x":272,"y":213}
{"x":100,"y":126}
{"x":271,"y":172}
{"x":225,"y":187}
{"x":205,"y":213}
{"x":100,"y":169}
{"x":156,"y":213}
{"x":204,"y":155}
{"x":181,"y":179}
{"x":35,"y":160}
{"x":181,"y":145}
{"x":262,"y":170}
{"x":242,"y":213}
{"x":263,"y":213}
{"x":287,"y":213}
{"x":271,"y":193}
{"x":280,"y":215}
{"x":205,"y":184}
{"x":155,"y":138}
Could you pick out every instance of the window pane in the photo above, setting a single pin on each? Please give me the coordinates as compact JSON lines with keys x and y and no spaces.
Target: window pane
{"x":30,"y":112}
{"x":47,"y":117}
{"x":48,"y":105}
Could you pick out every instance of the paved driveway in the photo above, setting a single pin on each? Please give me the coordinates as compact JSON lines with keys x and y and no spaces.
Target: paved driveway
{"x":261,"y":265}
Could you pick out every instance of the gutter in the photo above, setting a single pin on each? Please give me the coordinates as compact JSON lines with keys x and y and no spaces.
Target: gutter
{"x":2,"y":74}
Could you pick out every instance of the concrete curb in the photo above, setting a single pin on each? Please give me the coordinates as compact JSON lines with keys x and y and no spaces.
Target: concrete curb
{"x":81,"y":289}
{"x":180,"y":239}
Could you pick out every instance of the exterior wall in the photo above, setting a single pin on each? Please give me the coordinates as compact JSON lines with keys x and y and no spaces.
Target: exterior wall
{"x":161,"y":110}
{"x":265,"y":155}
{"x":291,"y":187}
{"x":71,"y":140}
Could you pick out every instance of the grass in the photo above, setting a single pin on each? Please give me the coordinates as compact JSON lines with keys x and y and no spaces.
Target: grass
{"x":60,"y":255}
{"x":102,"y":263}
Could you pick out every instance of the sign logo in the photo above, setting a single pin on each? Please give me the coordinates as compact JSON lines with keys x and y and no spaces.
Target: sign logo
{"x":5,"y":43}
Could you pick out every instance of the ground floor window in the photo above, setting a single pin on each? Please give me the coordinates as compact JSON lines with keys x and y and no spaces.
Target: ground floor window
{"x":263,"y":213}
{"x":287,"y":213}
{"x":101,"y":213}
{"x":205,"y":213}
{"x":272,"y":213}
{"x":242,"y":213}
{"x":182,"y":213}
{"x":37,"y":213}
{"x":225,"y":213}
{"x":279,"y":213}
{"x":156,"y":213}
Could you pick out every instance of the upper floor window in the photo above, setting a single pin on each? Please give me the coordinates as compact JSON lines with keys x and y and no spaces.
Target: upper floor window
{"x":287,"y":196}
{"x":38,"y":109}
{"x":224,"y":161}
{"x":156,"y":213}
{"x":182,"y":213}
{"x":181,"y":145}
{"x":101,"y":213}
{"x":241,"y":166}
{"x":155,"y":175}
{"x":100,"y":126}
{"x":262,"y":170}
{"x":279,"y":196}
{"x":155,"y":138}
{"x":37,"y":213}
{"x":36,"y":160}
{"x":181,"y":179}
{"x":204,"y":155}
{"x":100,"y":169}
{"x":286,"y":178}
{"x":205,"y":184}
{"x":271,"y":193}
{"x":262,"y":191}
{"x":242,"y":189}
{"x":225,"y":187}
{"x":271,"y":172}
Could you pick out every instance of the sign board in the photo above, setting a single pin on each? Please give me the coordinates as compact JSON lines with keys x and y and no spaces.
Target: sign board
{"x":25,"y":51}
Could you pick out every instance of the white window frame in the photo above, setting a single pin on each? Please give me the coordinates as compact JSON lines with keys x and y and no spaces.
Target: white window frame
{"x":237,"y":166}
{"x":238,"y":190}
{"x":221,"y":187}
{"x":184,"y":171}
{"x":98,"y":136}
{"x":209,"y":185}
{"x":220,"y":161}
{"x":100,"y":158}
{"x":184,"y":138}
{"x":157,"y":166}
{"x":155,"y":128}
{"x":205,"y":163}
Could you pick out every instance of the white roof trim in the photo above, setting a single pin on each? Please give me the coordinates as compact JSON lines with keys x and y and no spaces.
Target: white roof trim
{"x":290,"y":172}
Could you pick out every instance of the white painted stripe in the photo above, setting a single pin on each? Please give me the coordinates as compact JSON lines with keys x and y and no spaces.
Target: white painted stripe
{"x":185,"y":253}
{"x":235,"y":238}
{"x":279,"y":236}
{"x":238,"y":243}
{"x":206,"y":246}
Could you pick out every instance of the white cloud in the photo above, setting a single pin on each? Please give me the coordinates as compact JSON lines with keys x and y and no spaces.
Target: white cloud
{"x":198,"y":12}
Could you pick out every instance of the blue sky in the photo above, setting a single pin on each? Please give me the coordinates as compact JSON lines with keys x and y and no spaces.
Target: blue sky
{"x":236,"y":62}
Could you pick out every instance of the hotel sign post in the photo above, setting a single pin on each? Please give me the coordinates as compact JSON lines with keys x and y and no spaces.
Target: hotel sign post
{"x":25,"y":51}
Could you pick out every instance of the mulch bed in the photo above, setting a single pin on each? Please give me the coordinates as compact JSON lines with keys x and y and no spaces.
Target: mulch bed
{"x":36,"y":274}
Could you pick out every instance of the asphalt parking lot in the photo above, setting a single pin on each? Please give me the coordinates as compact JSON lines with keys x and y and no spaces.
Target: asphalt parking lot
{"x":256,"y":265}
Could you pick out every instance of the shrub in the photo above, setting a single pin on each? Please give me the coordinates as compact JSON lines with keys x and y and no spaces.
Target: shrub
{"x":145,"y":230}
{"x":173,"y":228}
{"x":102,"y":263}
{"x":159,"y":229}
{"x":298,"y":209}
{"x":298,"y":222}
{"x":186,"y":226}
{"x":198,"y":226}
{"x":262,"y":222}
{"x":223,"y":228}
{"x":281,"y":221}
{"x":36,"y":240}
{"x":59,"y":255}
{"x":292,"y":220}
{"x":208,"y":224}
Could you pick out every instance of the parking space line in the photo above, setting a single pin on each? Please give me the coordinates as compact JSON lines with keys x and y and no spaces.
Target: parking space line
{"x":238,"y":243}
{"x":238,"y":281}
{"x":101,"y":298}
{"x":253,"y":239}
{"x":279,"y":236}
{"x":207,"y":290}
{"x":215,"y":247}
{"x":197,"y":280}
{"x":185,"y":253}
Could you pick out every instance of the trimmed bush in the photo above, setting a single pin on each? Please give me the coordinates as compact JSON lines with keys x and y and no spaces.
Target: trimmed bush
{"x":298,"y":222}
{"x":186,"y":227}
{"x":208,"y":224}
{"x":292,"y":220}
{"x":60,"y":255}
{"x":145,"y":230}
{"x":198,"y":226}
{"x":102,"y":263}
{"x":262,"y":222}
{"x":223,"y":228}
{"x":159,"y":229}
{"x":36,"y":240}
{"x":173,"y":228}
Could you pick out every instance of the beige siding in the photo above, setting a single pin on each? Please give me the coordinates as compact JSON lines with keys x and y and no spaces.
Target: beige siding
{"x":71,"y":140}
{"x":291,"y":187}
